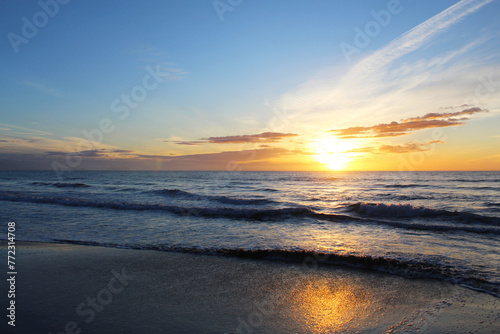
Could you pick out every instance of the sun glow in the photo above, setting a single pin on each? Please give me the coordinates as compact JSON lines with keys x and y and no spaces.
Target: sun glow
{"x":333,"y":153}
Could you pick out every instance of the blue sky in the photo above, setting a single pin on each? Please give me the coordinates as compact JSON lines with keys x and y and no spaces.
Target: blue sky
{"x":268,"y":66}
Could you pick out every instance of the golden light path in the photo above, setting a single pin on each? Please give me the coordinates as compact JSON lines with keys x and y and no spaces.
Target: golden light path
{"x":323,"y":306}
{"x":333,"y":152}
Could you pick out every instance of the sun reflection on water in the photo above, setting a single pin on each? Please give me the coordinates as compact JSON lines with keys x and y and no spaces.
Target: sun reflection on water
{"x":325,"y":307}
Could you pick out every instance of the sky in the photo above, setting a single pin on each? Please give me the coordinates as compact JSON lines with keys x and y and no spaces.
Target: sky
{"x":314,"y":85}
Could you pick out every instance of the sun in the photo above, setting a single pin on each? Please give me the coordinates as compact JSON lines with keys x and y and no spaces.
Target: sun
{"x":333,"y":153}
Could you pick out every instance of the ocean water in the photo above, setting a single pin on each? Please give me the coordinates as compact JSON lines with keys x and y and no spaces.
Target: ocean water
{"x":443,"y":225}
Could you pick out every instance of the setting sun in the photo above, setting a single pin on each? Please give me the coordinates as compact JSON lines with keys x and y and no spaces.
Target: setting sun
{"x":333,"y":152}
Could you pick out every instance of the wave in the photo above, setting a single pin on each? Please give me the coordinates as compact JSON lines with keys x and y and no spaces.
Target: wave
{"x":391,"y":210}
{"x":409,"y":211}
{"x":406,"y":185}
{"x":475,"y":181}
{"x":486,"y":188}
{"x":271,"y":214}
{"x":173,"y":193}
{"x":269,"y":190}
{"x":411,"y":197}
{"x":61,"y":184}
{"x":234,"y":213}
{"x":177,"y":193}
{"x":125,"y":189}
{"x":409,"y":268}
{"x":478,"y":188}
{"x":441,"y":228}
{"x":242,"y":201}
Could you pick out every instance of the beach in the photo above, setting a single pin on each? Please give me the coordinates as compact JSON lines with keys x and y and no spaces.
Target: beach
{"x":63,"y":288}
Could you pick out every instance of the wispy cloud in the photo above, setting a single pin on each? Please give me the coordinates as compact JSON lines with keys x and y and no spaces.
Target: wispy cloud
{"x":389,"y":82}
{"x":407,"y":126}
{"x":22,"y":130}
{"x":257,"y":159}
{"x":45,"y":89}
{"x":416,"y":37}
{"x":432,"y":116}
{"x":400,"y":148}
{"x":187,"y":142}
{"x":38,"y":144}
{"x":153,"y":56}
{"x":265,"y":137}
{"x":225,"y":156}
{"x":91,"y":153}
{"x":405,"y":148}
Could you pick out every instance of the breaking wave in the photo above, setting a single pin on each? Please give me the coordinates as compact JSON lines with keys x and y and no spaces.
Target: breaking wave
{"x":364,"y":213}
{"x":177,"y":193}
{"x":61,"y":184}
{"x":410,"y":268}
{"x":408,"y":211}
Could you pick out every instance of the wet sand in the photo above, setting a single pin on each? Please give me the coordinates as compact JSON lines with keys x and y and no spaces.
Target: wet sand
{"x":63,"y":288}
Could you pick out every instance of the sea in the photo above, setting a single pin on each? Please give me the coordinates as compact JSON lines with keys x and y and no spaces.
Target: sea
{"x":440,"y":225}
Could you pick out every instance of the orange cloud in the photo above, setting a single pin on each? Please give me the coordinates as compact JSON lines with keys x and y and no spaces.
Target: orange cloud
{"x":404,"y":148}
{"x":406,"y":126}
{"x":429,"y":116}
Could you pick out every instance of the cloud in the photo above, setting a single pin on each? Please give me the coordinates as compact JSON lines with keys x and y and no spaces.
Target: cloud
{"x":265,"y":137}
{"x":86,"y":153}
{"x":92,"y":153}
{"x":154,"y":156}
{"x":431,"y":116}
{"x":404,"y":148}
{"x":400,"y":79}
{"x":258,"y":159}
{"x":225,"y":156}
{"x":43,"y":88}
{"x":56,"y":153}
{"x":406,"y":126}
{"x":153,"y":56}
{"x":89,"y":153}
{"x":20,"y":130}
{"x":188,"y":143}
{"x":418,"y":36}
{"x":121,"y":151}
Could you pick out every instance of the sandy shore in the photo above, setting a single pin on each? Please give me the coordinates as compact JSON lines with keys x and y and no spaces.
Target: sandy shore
{"x":83,"y":289}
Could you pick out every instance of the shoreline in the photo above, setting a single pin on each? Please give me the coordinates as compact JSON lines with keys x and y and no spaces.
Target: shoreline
{"x":302,"y":258}
{"x":67,"y":287}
